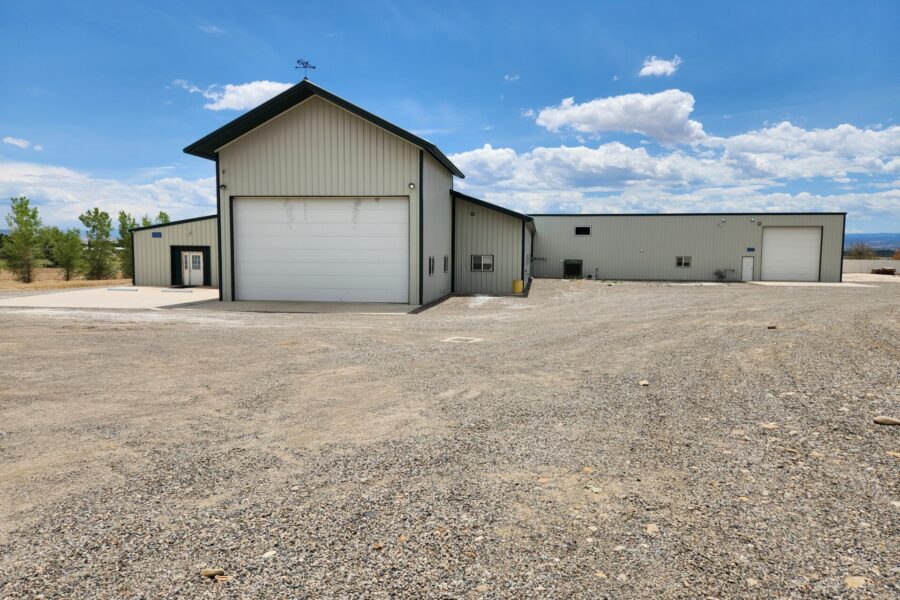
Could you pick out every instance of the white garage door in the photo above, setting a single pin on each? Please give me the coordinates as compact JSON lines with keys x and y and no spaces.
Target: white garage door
{"x":791,"y":253}
{"x":328,"y":249}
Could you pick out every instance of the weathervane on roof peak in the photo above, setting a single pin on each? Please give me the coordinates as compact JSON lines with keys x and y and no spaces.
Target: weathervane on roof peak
{"x":306,"y":66}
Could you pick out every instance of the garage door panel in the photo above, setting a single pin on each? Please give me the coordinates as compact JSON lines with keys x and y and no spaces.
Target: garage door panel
{"x":372,"y":257}
{"x":323,"y":295}
{"x":329,"y":249}
{"x":259,"y":273}
{"x":791,"y":253}
{"x":297,"y":246}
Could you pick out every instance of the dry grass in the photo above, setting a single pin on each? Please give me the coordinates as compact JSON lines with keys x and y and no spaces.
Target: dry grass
{"x":52,"y":279}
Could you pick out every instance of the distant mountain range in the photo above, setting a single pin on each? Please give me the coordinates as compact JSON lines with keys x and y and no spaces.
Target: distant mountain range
{"x":878,"y":241}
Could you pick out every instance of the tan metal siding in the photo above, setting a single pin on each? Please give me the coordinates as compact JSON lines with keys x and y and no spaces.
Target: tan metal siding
{"x":317,"y":149}
{"x":487,"y":232}
{"x":152,"y":257}
{"x":436,"y":226}
{"x":645,"y":247}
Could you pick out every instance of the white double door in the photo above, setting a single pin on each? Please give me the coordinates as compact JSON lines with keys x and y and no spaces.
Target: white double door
{"x":191,"y":268}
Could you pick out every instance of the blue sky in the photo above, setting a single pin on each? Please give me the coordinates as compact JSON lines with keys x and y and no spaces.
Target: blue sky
{"x":706,"y":106}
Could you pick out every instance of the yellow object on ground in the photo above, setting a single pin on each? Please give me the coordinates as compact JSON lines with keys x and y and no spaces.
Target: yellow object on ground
{"x":518,"y":286}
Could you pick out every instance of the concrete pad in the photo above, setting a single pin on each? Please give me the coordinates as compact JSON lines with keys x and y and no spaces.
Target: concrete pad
{"x":120,"y":297}
{"x":870,"y":278}
{"x":272,"y":306}
{"x":809,"y":284}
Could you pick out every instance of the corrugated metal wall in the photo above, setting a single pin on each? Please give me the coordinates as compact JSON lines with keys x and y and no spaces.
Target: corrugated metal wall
{"x":317,"y":149}
{"x":645,"y":247}
{"x":480,"y":230}
{"x":152,"y":257}
{"x":436,"y":227}
{"x":528,"y":239}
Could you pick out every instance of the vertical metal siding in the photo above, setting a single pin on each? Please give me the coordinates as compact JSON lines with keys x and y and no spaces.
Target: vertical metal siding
{"x":528,"y":236}
{"x":152,"y":257}
{"x":317,"y":149}
{"x":645,"y":247}
{"x":437,"y":182}
{"x":487,"y":232}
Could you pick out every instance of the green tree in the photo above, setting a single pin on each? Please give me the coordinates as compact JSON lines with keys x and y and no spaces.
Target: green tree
{"x":162,"y":218}
{"x":68,"y":251}
{"x":100,"y":252}
{"x":22,"y":247}
{"x":861,"y":251}
{"x":126,"y":256}
{"x":48,"y":236}
{"x":146,"y":221}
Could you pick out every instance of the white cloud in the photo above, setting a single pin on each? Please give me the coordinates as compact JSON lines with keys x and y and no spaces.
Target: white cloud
{"x":18,"y":142}
{"x":231,"y":96}
{"x":663,"y":116}
{"x":785,"y":151}
{"x":658,"y":67}
{"x":510,"y":78}
{"x":211,"y":29}
{"x":62,"y":194}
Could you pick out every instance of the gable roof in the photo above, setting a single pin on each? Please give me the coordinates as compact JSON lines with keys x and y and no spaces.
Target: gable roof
{"x":206,"y":147}
{"x":500,"y":209}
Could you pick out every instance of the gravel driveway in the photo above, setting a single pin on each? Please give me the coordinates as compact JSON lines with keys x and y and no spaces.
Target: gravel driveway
{"x":363,"y":455}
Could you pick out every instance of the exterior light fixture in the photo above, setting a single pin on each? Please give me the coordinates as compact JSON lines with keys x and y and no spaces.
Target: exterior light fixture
{"x":412,"y":186}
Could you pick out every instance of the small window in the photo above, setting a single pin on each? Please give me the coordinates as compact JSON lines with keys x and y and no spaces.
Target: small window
{"x":446,"y":264}
{"x":683,"y":262}
{"x":482,"y":262}
{"x":195,"y":262}
{"x":430,"y":266}
{"x":582,"y":231}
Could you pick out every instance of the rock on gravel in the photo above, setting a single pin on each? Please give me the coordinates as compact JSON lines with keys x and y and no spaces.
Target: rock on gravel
{"x":882,"y":420}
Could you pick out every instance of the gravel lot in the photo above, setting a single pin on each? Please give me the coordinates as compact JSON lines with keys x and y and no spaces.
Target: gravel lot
{"x":361,"y":455}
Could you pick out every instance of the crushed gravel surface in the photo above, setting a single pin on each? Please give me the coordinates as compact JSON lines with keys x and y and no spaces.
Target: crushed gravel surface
{"x":363,"y":456}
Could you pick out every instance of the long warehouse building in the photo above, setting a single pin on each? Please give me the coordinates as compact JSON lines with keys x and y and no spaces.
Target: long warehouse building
{"x":320,"y":200}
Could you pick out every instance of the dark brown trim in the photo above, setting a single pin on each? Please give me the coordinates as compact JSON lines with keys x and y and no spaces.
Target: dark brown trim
{"x":170,"y":223}
{"x":207,"y":146}
{"x":219,"y":228}
{"x":421,"y":226}
{"x":486,"y":204}
{"x":176,"y":268}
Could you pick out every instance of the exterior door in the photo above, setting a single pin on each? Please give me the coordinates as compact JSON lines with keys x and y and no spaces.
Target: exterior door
{"x":747,"y":268}
{"x":791,"y":253}
{"x":572,"y":269}
{"x":322,"y":249}
{"x":192,"y":268}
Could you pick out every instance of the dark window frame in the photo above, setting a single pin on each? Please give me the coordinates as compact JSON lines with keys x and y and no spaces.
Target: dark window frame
{"x":446,"y":264}
{"x":481,"y":263}
{"x":590,"y":231}
{"x":431,"y":266}
{"x":683,"y":262}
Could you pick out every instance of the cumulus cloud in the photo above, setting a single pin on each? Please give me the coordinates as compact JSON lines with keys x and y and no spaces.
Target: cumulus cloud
{"x":664,"y":116}
{"x":231,"y":96}
{"x":17,"y":142}
{"x":659,"y":67}
{"x":62,"y":194}
{"x":738,"y":173}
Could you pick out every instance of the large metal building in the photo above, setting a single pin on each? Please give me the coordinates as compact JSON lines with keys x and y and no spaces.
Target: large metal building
{"x":318,"y":199}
